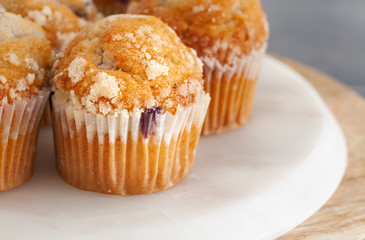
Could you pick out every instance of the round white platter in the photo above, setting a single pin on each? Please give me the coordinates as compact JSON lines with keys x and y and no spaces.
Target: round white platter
{"x":257,"y":182}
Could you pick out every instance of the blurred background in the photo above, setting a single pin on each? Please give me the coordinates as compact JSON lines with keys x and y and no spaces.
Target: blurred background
{"x":326,"y":34}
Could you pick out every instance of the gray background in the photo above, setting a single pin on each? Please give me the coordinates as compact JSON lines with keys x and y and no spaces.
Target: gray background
{"x":326,"y":34}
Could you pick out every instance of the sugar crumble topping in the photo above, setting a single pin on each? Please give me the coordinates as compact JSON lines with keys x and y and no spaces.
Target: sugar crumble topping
{"x":65,"y":38}
{"x":15,"y":93}
{"x":12,"y":58}
{"x":128,"y":64}
{"x":105,"y":86}
{"x":32,"y":64}
{"x":234,"y":28}
{"x":155,"y":69}
{"x":30,"y":78}
{"x":3,"y":79}
{"x":40,"y":16}
{"x":76,"y":69}
{"x":26,"y":57}
{"x":211,"y":8}
{"x":58,"y":21}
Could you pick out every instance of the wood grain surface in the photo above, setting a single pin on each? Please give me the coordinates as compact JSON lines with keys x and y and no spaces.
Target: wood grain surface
{"x":343,"y":216}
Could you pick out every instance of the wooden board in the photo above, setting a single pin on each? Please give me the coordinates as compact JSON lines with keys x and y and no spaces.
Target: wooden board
{"x":343,"y":217}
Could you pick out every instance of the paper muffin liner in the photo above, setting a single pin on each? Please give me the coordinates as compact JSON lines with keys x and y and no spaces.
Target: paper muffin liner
{"x":19,"y":127}
{"x":232,"y":89}
{"x":47,"y":115}
{"x":127,"y":154}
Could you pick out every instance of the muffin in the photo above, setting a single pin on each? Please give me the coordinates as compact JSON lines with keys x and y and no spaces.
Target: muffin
{"x":57,"y":20}
{"x":128,"y":107}
{"x":109,"y":7}
{"x":24,"y":62}
{"x":230,"y":38}
{"x":82,"y":8}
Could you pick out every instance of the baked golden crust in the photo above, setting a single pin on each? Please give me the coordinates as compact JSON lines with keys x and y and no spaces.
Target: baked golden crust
{"x":112,"y":6}
{"x":25,"y":58}
{"x":57,"y":20}
{"x":128,"y":62}
{"x":82,"y":8}
{"x":216,"y":29}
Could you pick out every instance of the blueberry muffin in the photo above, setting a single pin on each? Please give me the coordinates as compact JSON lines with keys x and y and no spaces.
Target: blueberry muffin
{"x":24,"y":63}
{"x":57,"y":20}
{"x":230,"y":38}
{"x":128,"y":107}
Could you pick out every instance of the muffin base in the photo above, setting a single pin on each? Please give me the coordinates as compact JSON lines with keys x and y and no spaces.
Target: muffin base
{"x":113,"y":154}
{"x":17,"y":160}
{"x":232,"y":89}
{"x":19,"y":127}
{"x":134,"y":167}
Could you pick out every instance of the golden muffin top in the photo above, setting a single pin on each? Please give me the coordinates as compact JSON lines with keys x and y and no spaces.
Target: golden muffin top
{"x":216,"y":29}
{"x":57,"y":20}
{"x":82,"y":8}
{"x":25,"y":58}
{"x":128,"y":62}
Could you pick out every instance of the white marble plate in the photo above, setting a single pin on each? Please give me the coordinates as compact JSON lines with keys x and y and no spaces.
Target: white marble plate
{"x":253,"y":183}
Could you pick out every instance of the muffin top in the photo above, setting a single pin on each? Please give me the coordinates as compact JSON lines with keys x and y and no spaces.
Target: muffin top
{"x":128,"y":62}
{"x":82,"y":8}
{"x":216,"y":29}
{"x":25,"y":58}
{"x":57,"y":20}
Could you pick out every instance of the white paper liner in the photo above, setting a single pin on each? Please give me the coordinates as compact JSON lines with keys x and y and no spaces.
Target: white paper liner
{"x":95,"y":167}
{"x":19,"y":124}
{"x":232,"y":90}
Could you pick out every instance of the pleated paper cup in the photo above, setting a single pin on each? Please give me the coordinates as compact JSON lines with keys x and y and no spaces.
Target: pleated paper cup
{"x":19,"y":127}
{"x":47,"y":115}
{"x":232,"y":89}
{"x":127,"y":154}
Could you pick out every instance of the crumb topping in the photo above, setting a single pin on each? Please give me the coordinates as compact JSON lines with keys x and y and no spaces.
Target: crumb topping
{"x":57,"y":20}
{"x":105,"y":86}
{"x":12,"y":58}
{"x":221,"y":30}
{"x":128,"y":62}
{"x":155,"y":69}
{"x":76,"y":69}
{"x":26,"y":56}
